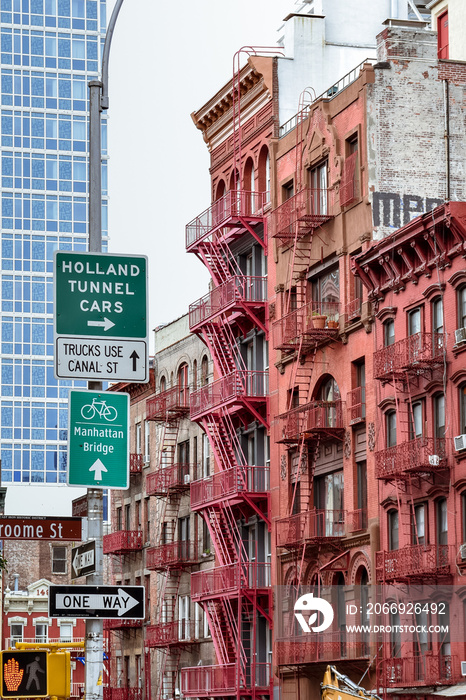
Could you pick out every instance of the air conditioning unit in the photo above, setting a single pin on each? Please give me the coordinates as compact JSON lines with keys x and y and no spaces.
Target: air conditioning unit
{"x":463,"y":552}
{"x":460,"y":442}
{"x":460,"y":336}
{"x":146,"y":459}
{"x":463,"y":668}
{"x":434,"y":460}
{"x":187,"y":478}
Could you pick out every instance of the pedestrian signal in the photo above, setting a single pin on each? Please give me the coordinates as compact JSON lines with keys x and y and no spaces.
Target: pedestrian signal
{"x":24,"y":674}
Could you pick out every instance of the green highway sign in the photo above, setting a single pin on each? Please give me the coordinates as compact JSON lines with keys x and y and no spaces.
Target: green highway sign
{"x":98,"y":439}
{"x":101,"y":316}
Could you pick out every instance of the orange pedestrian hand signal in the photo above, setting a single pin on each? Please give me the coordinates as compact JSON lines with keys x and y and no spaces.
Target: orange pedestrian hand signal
{"x":12,"y":675}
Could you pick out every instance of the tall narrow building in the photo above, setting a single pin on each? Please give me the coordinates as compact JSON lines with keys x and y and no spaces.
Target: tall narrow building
{"x":49,"y":51}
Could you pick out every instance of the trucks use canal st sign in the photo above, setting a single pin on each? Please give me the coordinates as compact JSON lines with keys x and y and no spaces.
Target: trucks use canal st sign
{"x":101,"y":318}
{"x":98,"y":439}
{"x":106,"y":602}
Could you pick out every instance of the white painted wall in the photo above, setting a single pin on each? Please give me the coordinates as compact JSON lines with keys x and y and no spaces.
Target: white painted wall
{"x":319,"y":50}
{"x":38,"y":499}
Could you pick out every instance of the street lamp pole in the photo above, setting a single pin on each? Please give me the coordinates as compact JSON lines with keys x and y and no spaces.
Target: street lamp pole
{"x":98,"y":98}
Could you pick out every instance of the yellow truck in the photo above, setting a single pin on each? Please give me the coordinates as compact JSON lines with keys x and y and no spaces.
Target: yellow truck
{"x":337,"y":686}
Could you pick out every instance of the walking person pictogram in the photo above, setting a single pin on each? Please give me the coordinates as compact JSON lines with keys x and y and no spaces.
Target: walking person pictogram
{"x":32,"y":670}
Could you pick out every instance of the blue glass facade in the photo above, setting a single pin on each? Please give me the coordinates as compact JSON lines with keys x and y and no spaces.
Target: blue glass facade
{"x":50,"y":49}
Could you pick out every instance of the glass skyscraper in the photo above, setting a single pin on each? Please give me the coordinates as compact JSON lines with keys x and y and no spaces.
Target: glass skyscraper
{"x":50,"y":49}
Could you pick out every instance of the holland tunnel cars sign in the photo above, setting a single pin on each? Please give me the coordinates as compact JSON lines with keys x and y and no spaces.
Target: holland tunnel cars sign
{"x":101,"y":319}
{"x":97,"y":601}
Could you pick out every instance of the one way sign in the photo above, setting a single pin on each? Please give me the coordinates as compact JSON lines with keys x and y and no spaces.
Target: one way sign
{"x":97,"y":601}
{"x":83,"y":560}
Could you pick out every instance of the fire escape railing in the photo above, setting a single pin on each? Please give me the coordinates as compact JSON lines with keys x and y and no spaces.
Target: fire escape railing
{"x":122,"y":541}
{"x":136,"y":462}
{"x":312,"y":418}
{"x":417,"y":351}
{"x":312,"y":322}
{"x":221,"y":485}
{"x":420,"y":670}
{"x":171,"y":555}
{"x":356,"y":403}
{"x":168,"y":404}
{"x":175,"y":477}
{"x":229,"y":579}
{"x":413,"y":561}
{"x":224,"y":212}
{"x":237,"y":290}
{"x":241,"y":384}
{"x":421,"y":454}
{"x":312,"y":525}
{"x":169,"y":633}
{"x":204,"y":681}
{"x":307,"y":209}
{"x":326,"y":646}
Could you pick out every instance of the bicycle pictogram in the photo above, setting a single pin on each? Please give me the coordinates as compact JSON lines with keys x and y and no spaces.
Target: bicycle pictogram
{"x":100,"y":408}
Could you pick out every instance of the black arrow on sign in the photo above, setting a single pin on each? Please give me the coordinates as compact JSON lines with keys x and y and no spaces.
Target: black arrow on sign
{"x":134,"y":356}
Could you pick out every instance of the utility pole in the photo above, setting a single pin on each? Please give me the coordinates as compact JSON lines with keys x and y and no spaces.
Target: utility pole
{"x":98,"y":97}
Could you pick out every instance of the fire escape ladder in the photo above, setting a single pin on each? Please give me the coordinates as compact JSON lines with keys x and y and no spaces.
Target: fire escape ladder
{"x":168,"y":672}
{"x":306,"y":98}
{"x":221,"y":536}
{"x":223,"y":347}
{"x":168,"y":519}
{"x":405,"y":421}
{"x":298,"y":263}
{"x":230,"y":430}
{"x":220,"y":442}
{"x":223,"y":635}
{"x":167,"y":444}
{"x":216,"y":256}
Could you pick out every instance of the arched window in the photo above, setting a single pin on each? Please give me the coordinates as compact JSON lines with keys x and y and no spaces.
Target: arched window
{"x":163,"y":383}
{"x":393,"y":530}
{"x":204,"y":371}
{"x":250,"y":185}
{"x":389,"y":332}
{"x":183,"y":384}
{"x":194,"y":382}
{"x":263,"y":184}
{"x":390,"y":428}
{"x":461,"y":301}
{"x":328,"y":390}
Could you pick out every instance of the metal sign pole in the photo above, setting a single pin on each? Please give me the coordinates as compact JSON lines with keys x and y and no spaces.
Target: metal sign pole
{"x":94,"y":648}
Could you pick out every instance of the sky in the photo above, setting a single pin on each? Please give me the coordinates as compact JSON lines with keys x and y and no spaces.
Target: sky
{"x":167,"y":59}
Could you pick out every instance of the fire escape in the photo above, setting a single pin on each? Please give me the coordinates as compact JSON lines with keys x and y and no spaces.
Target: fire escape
{"x":235,"y":595}
{"x":417,"y":459}
{"x":171,"y":555}
{"x":122,"y":544}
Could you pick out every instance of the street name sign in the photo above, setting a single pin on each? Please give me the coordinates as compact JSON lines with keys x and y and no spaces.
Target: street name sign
{"x":36,"y":527}
{"x":83,"y":560}
{"x":98,"y":439}
{"x":101,"y":316}
{"x":106,"y":602}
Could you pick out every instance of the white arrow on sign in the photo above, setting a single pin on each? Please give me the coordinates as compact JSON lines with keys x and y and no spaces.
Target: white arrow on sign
{"x":123,"y":602}
{"x":82,"y":560}
{"x":98,"y":467}
{"x":106,"y":324}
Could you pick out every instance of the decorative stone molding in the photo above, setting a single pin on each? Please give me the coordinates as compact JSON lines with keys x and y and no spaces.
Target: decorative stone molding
{"x":371,"y":436}
{"x":283,"y":469}
{"x":347,"y":446}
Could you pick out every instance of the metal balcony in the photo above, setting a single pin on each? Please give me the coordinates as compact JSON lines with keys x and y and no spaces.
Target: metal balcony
{"x":321,"y":648}
{"x":174,"y":555}
{"x":231,"y":212}
{"x":169,"y":404}
{"x":314,"y":323}
{"x":122,"y":693}
{"x":356,"y":403}
{"x":136,"y":462}
{"x":226,"y":580}
{"x":122,"y":624}
{"x":239,"y":293}
{"x":123,"y":542}
{"x":421,"y":455}
{"x":313,"y":419}
{"x":234,"y":389}
{"x":414,"y":562}
{"x":167,"y":634}
{"x":313,"y":526}
{"x":172,"y":479}
{"x":233,"y":485}
{"x":420,"y":670}
{"x":416,"y":353}
{"x":227,"y":679}
{"x":297,"y":216}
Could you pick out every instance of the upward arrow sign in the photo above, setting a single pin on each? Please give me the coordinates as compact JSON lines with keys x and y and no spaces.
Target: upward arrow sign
{"x":98,"y":467}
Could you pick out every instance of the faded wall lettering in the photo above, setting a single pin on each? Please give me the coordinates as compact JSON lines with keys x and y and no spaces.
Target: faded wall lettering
{"x":395,"y":210}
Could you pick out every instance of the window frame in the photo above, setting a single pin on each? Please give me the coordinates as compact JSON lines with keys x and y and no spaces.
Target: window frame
{"x":55,"y":559}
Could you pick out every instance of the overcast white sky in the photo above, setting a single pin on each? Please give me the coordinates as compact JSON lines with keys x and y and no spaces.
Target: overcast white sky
{"x":166,"y":60}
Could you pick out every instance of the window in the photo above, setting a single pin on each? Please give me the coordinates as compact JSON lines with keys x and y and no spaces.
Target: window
{"x":414,"y":321}
{"x":439,"y":416}
{"x":138,"y":438}
{"x":41,"y":633}
{"x":349,"y":178}
{"x":390,"y":427}
{"x":442,"y":521}
{"x":183,"y":617}
{"x":437,"y":316}
{"x":287,"y":191}
{"x":66,"y":631}
{"x":205,"y":456}
{"x":204,"y":371}
{"x":16,"y":631}
{"x":326,"y":288}
{"x":127,"y":516}
{"x":389,"y":332}
{"x":328,"y":491}
{"x":393,"y":530}
{"x":183,"y":384}
{"x":461,"y":307}
{"x":462,"y":406}
{"x":163,"y":384}
{"x":395,"y":635}
{"x":419,"y":524}
{"x":361,"y":471}
{"x":147,"y":438}
{"x":318,"y":185}
{"x":416,"y":420}
{"x":119,"y":519}
{"x":147,"y":518}
{"x":59,"y":560}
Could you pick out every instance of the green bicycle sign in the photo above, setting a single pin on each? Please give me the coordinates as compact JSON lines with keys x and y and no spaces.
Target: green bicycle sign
{"x":98,"y":439}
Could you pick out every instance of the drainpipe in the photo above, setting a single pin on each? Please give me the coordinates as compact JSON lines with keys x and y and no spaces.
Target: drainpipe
{"x":446,"y":110}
